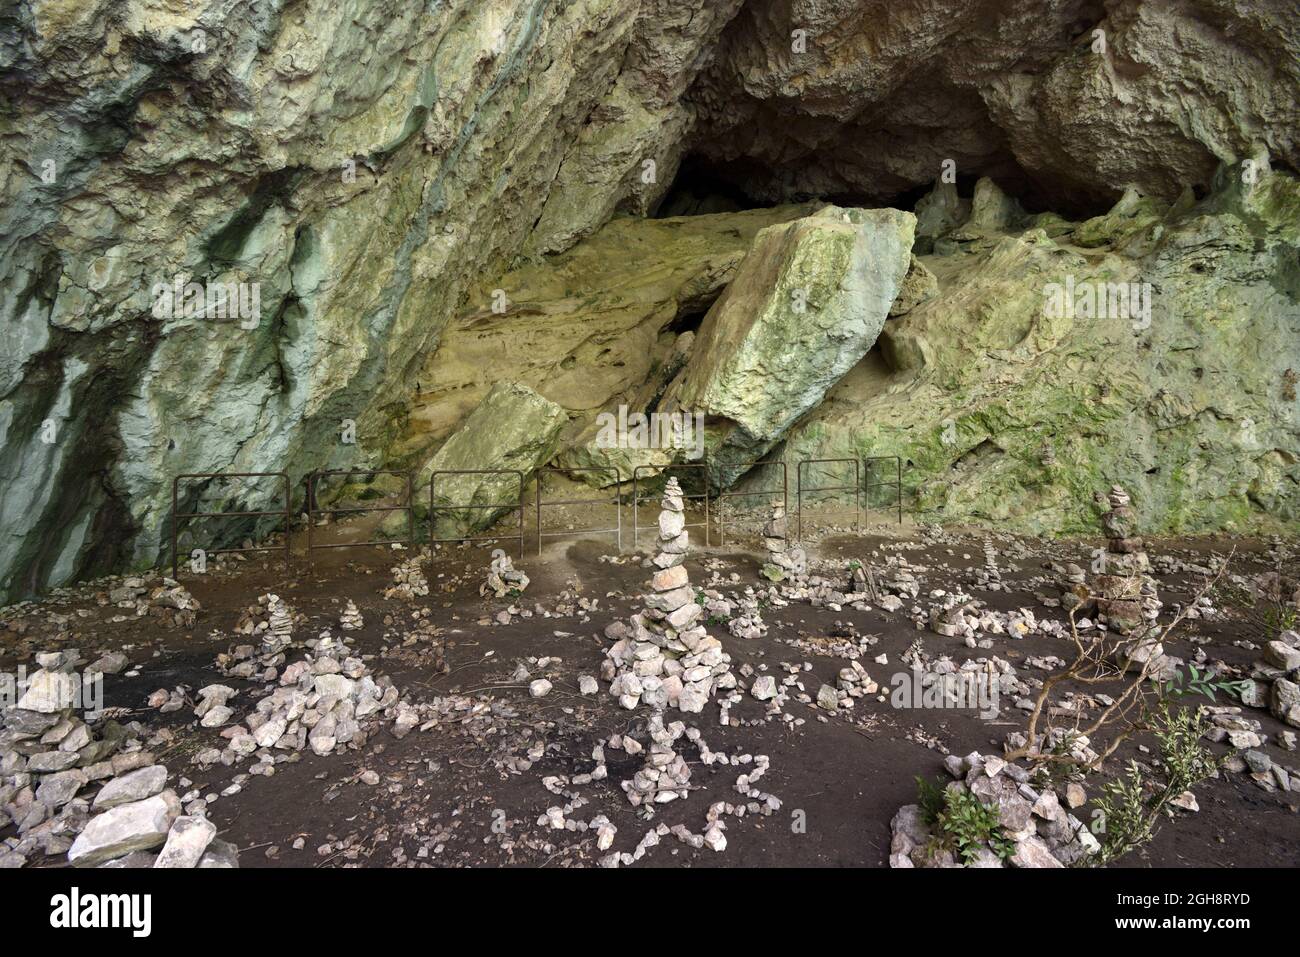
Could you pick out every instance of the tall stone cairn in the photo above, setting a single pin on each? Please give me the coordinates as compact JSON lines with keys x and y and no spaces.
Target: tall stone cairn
{"x":1129,"y":598}
{"x":783,"y":562}
{"x":279,"y":625}
{"x":665,"y":657}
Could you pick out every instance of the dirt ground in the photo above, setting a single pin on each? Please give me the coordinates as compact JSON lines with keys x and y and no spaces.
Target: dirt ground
{"x":446,"y":796}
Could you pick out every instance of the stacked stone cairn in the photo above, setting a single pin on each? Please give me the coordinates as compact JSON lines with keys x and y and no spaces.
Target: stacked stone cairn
{"x":666,"y":775}
{"x":783,"y":562}
{"x":862,"y":581}
{"x":351,"y":619}
{"x":1127,"y":596}
{"x":990,"y":576}
{"x":503,"y":579}
{"x":664,"y":657}
{"x":271,"y":620}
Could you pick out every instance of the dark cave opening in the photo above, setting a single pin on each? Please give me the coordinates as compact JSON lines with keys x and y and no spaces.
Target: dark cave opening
{"x":703,"y":186}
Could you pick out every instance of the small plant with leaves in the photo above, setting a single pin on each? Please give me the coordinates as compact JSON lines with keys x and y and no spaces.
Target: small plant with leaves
{"x":1197,"y":682}
{"x":1133,"y":805}
{"x":961,"y":823}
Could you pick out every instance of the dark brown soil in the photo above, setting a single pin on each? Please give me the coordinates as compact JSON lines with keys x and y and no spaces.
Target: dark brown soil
{"x":842,"y":777}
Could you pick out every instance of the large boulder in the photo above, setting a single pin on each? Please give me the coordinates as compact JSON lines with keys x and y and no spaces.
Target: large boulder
{"x":138,"y":826}
{"x":512,"y":428}
{"x":806,"y":305}
{"x":589,"y":328}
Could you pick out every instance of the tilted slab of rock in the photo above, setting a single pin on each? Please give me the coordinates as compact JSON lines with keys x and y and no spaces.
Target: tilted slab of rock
{"x":806,"y":305}
{"x":589,"y":327}
{"x":512,"y":428}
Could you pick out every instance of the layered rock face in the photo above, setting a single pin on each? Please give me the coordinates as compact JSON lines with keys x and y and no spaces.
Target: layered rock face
{"x":232,"y":237}
{"x":1071,"y":99}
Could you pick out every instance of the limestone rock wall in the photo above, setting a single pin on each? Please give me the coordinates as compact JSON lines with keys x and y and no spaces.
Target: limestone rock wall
{"x":363,"y":164}
{"x":1007,"y":409}
{"x":364,"y":172}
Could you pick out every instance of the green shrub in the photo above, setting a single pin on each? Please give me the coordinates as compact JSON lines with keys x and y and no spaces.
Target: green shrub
{"x":960,"y":823}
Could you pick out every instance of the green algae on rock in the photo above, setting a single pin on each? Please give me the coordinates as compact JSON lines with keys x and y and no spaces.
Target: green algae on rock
{"x":806,"y":304}
{"x":1005,"y":411}
{"x":514,"y":429}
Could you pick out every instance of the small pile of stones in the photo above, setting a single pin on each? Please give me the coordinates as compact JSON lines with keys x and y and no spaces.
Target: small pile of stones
{"x":169,"y":602}
{"x":748,"y":622}
{"x":131,"y":826}
{"x":49,"y":756}
{"x":351,"y":619}
{"x":328,"y":701}
{"x":408,"y":580}
{"x":1274,"y":681}
{"x":1042,"y":832}
{"x":172,"y":604}
{"x":503,"y":579}
{"x":854,"y":681}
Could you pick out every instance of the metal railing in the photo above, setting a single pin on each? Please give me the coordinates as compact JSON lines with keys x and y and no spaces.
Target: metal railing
{"x":855,"y":488}
{"x":716,"y":504}
{"x":285,"y":513}
{"x":784,"y":489}
{"x":434,"y":508}
{"x":617,"y":530}
{"x":897,"y":483}
{"x":313,"y":511}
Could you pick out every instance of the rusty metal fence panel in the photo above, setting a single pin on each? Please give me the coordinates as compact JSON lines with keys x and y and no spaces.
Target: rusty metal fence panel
{"x":517,"y":506}
{"x":855,"y":488}
{"x":617,"y":530}
{"x":896,"y":483}
{"x":660,"y":469}
{"x":313,"y":511}
{"x":286,"y":513}
{"x":784,"y":489}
